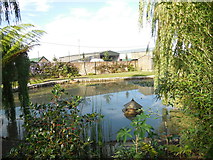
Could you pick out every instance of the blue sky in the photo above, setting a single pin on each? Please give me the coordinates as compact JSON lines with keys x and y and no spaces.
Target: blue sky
{"x":82,"y":26}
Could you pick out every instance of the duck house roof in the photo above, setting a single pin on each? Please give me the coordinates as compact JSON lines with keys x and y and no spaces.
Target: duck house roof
{"x":133,"y":104}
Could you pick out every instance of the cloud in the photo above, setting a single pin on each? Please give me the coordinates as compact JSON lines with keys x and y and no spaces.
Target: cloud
{"x":37,"y":5}
{"x":114,"y":26}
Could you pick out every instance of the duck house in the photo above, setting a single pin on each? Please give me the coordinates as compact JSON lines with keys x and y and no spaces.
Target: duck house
{"x":132,"y":109}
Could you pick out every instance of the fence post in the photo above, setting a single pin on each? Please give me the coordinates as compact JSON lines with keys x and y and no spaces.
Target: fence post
{"x":95,"y":67}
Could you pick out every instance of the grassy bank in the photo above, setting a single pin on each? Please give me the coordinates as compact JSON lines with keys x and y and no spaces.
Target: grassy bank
{"x":111,"y":75}
{"x":123,"y":74}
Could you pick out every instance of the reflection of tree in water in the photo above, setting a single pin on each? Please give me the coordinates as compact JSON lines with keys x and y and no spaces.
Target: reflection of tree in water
{"x":127,"y":94}
{"x":108,"y":98}
{"x":12,"y":130}
{"x":86,"y":101}
{"x":170,"y":122}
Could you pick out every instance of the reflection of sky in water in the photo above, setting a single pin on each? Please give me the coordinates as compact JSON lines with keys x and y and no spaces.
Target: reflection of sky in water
{"x":107,"y":98}
{"x":111,"y":105}
{"x":12,"y":130}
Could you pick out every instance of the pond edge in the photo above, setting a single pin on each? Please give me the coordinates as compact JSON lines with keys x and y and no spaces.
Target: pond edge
{"x":83,"y":80}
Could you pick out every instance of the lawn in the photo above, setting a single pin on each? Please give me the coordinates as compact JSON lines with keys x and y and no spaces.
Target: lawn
{"x":123,"y":74}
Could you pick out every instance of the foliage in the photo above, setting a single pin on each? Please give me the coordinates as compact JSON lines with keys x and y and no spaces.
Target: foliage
{"x":56,"y":70}
{"x":183,"y":63}
{"x":139,"y":148}
{"x":131,"y":68}
{"x":145,"y":83}
{"x":106,"y":56}
{"x":8,"y":9}
{"x":56,"y":130}
{"x":15,"y":42}
{"x":180,"y":151}
{"x":123,"y":134}
{"x":22,"y":67}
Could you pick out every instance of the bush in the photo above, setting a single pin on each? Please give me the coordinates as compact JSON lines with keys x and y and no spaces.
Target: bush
{"x":56,"y":70}
{"x":56,"y":130}
{"x":115,"y":68}
{"x":131,"y":68}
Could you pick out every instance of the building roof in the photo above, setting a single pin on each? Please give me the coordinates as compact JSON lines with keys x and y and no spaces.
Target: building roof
{"x":92,"y":53}
{"x":37,"y":59}
{"x":135,"y":50}
{"x":109,"y":52}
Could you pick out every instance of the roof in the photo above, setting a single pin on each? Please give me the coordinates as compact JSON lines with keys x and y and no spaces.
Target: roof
{"x":37,"y":59}
{"x":109,"y":52}
{"x":135,"y":50}
{"x":132,"y":104}
{"x":93,"y":53}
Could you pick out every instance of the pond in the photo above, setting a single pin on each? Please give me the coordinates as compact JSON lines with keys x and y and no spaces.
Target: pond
{"x":105,"y":98}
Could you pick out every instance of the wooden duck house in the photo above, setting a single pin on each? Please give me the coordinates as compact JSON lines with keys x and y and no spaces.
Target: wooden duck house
{"x":132,"y":108}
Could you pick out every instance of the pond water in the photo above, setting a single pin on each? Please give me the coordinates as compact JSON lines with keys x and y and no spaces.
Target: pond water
{"x":105,"y":98}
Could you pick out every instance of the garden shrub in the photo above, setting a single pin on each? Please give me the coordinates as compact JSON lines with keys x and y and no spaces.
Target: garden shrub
{"x":131,"y":68}
{"x":53,"y":70}
{"x":115,"y":68}
{"x":55,"y":130}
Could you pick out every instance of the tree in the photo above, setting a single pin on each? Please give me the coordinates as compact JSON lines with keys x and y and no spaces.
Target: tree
{"x":84,"y":58}
{"x":15,"y":42}
{"x":106,"y":56}
{"x":55,"y":59}
{"x":9,"y":9}
{"x":183,"y":62}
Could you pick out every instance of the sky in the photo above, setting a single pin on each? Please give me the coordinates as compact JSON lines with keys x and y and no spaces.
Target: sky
{"x":85,"y":26}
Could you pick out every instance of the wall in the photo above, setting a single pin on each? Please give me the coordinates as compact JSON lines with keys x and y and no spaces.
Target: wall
{"x":90,"y":67}
{"x":145,"y":64}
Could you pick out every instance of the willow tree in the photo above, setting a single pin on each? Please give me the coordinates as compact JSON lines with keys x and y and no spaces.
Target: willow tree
{"x":15,"y":42}
{"x":183,"y":62}
{"x":9,"y":10}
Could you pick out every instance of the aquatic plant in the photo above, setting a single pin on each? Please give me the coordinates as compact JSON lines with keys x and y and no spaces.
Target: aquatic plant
{"x":137,"y":147}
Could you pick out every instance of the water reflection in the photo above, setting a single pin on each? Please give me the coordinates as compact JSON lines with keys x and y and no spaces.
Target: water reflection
{"x":108,"y":98}
{"x":127,"y":94}
{"x":105,"y":98}
{"x":12,"y":129}
{"x":113,"y":114}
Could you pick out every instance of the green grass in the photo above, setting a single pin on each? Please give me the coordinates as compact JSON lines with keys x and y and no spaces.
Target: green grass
{"x":123,"y":74}
{"x":35,"y":81}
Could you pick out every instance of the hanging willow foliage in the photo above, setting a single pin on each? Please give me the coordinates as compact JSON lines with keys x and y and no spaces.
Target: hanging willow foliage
{"x":183,"y":61}
{"x":9,"y":10}
{"x":15,"y":42}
